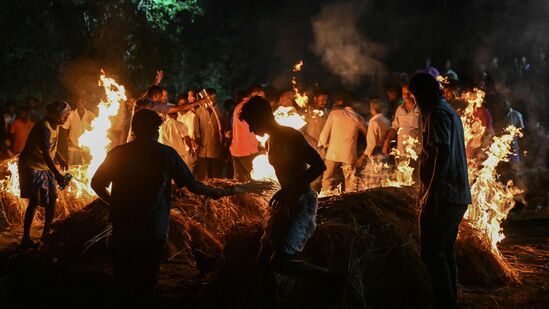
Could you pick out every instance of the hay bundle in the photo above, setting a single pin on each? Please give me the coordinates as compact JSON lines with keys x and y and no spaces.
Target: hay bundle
{"x":12,"y":208}
{"x":478,"y":264}
{"x":373,"y":238}
{"x":196,"y":225}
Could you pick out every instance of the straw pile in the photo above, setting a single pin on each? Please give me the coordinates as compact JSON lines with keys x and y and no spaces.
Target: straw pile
{"x":371,"y":237}
{"x":196,"y":227}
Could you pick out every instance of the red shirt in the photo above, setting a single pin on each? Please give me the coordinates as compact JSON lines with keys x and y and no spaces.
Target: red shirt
{"x":20,"y":131}
{"x":244,"y":142}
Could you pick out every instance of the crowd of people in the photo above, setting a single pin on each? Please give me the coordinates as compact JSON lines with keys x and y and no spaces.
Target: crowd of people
{"x":214,"y":143}
{"x":198,"y":137}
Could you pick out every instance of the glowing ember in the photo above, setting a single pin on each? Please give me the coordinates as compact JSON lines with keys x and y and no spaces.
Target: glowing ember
{"x":298,"y":65}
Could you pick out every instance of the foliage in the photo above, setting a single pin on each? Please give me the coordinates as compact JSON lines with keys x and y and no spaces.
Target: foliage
{"x":161,"y":12}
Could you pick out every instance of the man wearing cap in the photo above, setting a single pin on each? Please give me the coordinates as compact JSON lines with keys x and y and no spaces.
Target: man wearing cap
{"x":37,"y":169}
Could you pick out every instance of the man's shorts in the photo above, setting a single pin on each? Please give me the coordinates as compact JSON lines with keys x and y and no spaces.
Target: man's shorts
{"x":32,"y":181}
{"x":290,"y":227}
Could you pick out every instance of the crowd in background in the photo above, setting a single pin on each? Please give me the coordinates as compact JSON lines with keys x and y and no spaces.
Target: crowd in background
{"x":208,"y":134}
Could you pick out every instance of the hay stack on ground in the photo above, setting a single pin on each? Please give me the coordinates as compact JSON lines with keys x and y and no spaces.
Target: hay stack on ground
{"x":196,"y":227}
{"x":372,"y":237}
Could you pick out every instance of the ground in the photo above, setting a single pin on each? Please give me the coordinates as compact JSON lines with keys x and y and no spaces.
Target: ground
{"x":526,"y":245}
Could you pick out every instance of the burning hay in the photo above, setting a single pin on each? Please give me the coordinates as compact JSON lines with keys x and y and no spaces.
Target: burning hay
{"x":197,"y":224}
{"x":372,"y":237}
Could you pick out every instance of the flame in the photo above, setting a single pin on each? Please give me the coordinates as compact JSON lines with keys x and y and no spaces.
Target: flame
{"x":262,"y":169}
{"x":12,"y":183}
{"x":97,"y":140}
{"x":403,"y":172}
{"x":472,"y":126}
{"x":492,"y":200}
{"x":298,"y":65}
{"x":78,"y":193}
{"x":285,"y":116}
{"x":301,"y":99}
{"x":288,"y":116}
{"x":442,"y":80}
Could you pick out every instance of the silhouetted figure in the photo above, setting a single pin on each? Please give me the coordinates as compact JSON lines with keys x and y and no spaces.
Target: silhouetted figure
{"x":444,"y":187}
{"x":141,"y":173}
{"x":293,"y":218}
{"x":37,"y":169}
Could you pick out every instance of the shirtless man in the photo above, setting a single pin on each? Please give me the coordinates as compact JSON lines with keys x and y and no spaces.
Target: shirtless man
{"x":292,"y":221}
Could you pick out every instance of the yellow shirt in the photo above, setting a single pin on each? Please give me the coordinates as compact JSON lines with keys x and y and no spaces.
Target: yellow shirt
{"x":42,"y":135}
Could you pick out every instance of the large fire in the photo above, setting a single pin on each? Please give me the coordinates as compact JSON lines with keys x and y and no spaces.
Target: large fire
{"x":492,"y":200}
{"x":95,"y":141}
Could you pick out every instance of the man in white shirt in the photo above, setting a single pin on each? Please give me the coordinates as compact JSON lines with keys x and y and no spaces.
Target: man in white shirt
{"x":405,"y":123}
{"x":174,"y":133}
{"x":378,"y":127}
{"x":190,"y":119}
{"x":339,"y":136}
{"x":79,"y":121}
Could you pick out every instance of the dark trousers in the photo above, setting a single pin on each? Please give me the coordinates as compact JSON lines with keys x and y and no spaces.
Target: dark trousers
{"x":242,"y":167}
{"x":136,"y":263}
{"x":208,"y":168}
{"x":439,"y":223}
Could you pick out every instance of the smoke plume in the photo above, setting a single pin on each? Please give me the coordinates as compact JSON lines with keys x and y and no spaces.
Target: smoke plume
{"x":341,"y":47}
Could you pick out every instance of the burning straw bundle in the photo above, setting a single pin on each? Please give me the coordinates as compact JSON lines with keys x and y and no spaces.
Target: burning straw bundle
{"x":196,"y":225}
{"x":372,"y":237}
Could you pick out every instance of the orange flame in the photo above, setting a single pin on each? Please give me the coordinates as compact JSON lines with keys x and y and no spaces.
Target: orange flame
{"x":301,"y":99}
{"x":492,"y":200}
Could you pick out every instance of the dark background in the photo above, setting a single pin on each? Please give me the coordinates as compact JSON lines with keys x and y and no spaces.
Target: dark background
{"x":55,"y":49}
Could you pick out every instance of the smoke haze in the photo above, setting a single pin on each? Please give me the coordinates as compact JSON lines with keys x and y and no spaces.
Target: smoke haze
{"x":342,"y":48}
